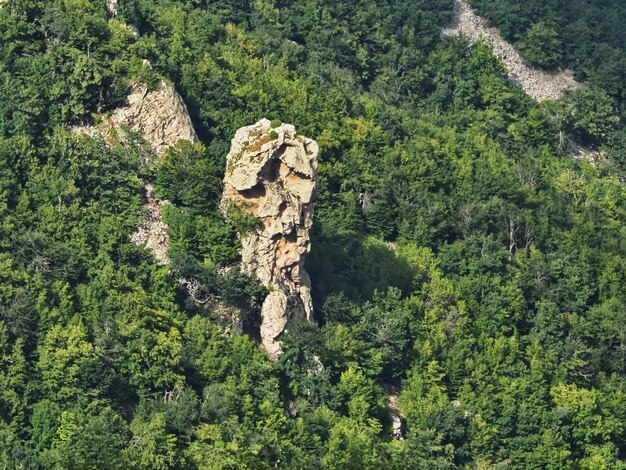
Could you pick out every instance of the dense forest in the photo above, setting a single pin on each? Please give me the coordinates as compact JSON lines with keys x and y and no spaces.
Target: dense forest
{"x":468,"y":274}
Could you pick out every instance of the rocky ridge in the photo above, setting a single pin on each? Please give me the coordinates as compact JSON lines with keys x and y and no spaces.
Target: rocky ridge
{"x":160,"y":116}
{"x":538,"y":84}
{"x":271,"y":176}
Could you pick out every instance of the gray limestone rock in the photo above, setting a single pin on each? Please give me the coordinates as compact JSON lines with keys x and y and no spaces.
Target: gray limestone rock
{"x":160,"y":116}
{"x":112,"y":7}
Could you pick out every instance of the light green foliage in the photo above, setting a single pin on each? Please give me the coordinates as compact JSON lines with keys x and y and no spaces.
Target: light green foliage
{"x":68,"y":364}
{"x":591,"y":428}
{"x":88,"y":438}
{"x":210,"y":451}
{"x":353,"y":444}
{"x":359,"y":394}
{"x":153,"y":350}
{"x":152,"y":447}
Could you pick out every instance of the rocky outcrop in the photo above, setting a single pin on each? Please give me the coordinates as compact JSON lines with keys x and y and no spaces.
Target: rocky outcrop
{"x":582,"y":152}
{"x":393,"y":407}
{"x":161,"y":118}
{"x":153,"y":231}
{"x":538,"y":84}
{"x":271,"y":177}
{"x":112,"y":7}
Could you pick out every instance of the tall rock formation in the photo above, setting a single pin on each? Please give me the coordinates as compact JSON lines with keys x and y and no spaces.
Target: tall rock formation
{"x":271,"y":175}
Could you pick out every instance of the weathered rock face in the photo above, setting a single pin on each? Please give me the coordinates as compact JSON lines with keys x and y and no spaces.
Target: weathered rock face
{"x":271,"y":174}
{"x":112,"y":7}
{"x":162,"y":119}
{"x":153,"y":233}
{"x":536,"y":83}
{"x":160,"y":116}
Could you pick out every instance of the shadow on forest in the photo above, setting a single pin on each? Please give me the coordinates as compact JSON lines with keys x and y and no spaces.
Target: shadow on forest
{"x":356,"y":265}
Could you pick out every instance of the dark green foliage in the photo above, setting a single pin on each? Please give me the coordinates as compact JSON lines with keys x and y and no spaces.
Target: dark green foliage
{"x":541,"y":45}
{"x":188,"y":177}
{"x":211,"y":238}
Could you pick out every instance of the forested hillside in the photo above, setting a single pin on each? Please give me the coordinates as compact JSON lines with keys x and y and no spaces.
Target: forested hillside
{"x":468,"y":274}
